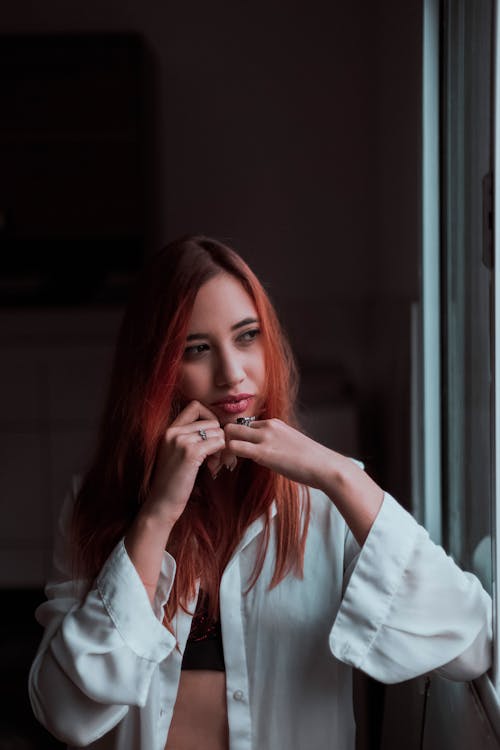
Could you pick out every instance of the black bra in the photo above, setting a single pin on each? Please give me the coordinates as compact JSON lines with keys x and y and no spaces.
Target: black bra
{"x":204,"y":644}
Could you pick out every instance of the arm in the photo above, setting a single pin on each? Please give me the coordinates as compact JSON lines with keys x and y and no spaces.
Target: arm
{"x":287,"y":451}
{"x":407,"y":608}
{"x":437,"y":618}
{"x":180,"y":456}
{"x":357,"y":497}
{"x":103,"y":642}
{"x":99,"y":648}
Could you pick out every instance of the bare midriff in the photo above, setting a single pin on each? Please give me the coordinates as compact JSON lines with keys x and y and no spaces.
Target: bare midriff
{"x":199,"y":721}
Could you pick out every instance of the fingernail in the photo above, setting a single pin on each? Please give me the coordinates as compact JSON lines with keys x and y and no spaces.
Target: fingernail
{"x":215,"y":474}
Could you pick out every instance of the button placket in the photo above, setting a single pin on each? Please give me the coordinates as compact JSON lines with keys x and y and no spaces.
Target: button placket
{"x":240,"y":727}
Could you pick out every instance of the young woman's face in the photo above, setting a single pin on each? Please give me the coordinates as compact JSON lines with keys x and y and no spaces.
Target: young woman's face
{"x":223,"y":363}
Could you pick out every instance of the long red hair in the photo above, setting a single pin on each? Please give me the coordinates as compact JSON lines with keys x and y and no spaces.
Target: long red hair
{"x":143,"y":401}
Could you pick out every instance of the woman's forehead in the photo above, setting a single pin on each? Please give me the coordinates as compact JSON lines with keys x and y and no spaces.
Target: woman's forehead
{"x":221,"y":301}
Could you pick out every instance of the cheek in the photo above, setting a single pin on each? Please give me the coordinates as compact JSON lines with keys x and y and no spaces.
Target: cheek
{"x":185,"y":384}
{"x":193,"y":383}
{"x":257,"y":372}
{"x":261,"y":369}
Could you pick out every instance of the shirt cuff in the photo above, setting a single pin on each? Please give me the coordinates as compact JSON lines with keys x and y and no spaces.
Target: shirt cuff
{"x":127,"y":603}
{"x":375,"y":579}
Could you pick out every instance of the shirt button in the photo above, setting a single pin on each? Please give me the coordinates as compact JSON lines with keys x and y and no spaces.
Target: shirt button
{"x":238,"y":695}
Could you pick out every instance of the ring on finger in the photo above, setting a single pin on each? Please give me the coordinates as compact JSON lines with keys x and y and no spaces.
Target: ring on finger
{"x":247,"y":421}
{"x":203,"y":434}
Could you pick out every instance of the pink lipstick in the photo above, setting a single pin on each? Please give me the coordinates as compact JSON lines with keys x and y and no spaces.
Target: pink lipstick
{"x":236,"y":404}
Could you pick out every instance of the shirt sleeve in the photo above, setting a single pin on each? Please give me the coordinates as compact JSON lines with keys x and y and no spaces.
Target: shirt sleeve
{"x":101,"y":643}
{"x":407,"y":608}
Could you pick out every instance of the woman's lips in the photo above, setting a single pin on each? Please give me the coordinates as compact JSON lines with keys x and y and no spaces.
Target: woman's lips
{"x":234,"y":407}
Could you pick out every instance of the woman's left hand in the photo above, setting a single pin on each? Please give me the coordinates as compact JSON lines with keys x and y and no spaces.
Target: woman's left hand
{"x":281,"y":448}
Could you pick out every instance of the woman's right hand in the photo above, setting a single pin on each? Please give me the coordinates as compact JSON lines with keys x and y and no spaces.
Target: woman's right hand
{"x":180,"y":455}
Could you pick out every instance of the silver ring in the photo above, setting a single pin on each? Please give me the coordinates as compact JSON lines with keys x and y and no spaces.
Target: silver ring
{"x":203,"y":434}
{"x":247,"y":421}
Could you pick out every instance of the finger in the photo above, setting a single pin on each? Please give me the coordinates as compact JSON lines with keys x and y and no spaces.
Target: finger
{"x":242,"y":432}
{"x":244,"y":449}
{"x":200,"y":424}
{"x":214,"y":464}
{"x":202,"y":435}
{"x":228,"y":459}
{"x":207,"y":448}
{"x":193,"y":411}
{"x":252,"y":425}
{"x":212,"y":445}
{"x":212,"y":455}
{"x":216,"y":461}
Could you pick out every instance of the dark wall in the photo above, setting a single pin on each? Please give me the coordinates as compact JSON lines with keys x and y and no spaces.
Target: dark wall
{"x":294,"y":133}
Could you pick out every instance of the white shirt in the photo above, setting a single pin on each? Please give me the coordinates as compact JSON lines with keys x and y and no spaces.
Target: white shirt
{"x":107,"y":670}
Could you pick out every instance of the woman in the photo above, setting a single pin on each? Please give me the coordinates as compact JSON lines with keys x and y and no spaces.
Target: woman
{"x":224,"y":572}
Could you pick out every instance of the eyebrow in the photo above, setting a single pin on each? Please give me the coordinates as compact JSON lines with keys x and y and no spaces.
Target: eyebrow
{"x":244,"y":322}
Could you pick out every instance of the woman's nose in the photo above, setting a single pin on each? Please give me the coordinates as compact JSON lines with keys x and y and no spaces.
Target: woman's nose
{"x":230,"y":370}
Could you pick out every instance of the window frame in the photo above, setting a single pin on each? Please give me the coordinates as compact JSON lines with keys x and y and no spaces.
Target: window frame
{"x":427,"y":426}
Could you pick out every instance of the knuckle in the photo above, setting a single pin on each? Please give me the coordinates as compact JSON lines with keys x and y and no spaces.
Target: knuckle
{"x":181,"y":443}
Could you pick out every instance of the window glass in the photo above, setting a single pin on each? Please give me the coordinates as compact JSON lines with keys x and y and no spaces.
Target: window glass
{"x":466,"y":285}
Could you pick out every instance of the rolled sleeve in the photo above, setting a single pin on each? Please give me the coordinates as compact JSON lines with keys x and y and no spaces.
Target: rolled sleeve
{"x":408,"y":608}
{"x":102,"y":642}
{"x":127,"y":603}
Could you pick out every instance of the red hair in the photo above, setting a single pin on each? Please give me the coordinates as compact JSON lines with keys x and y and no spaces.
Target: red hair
{"x":142,"y":402}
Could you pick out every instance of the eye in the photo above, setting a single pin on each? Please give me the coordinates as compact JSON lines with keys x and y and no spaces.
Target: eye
{"x":249,"y":336}
{"x":191,"y":352}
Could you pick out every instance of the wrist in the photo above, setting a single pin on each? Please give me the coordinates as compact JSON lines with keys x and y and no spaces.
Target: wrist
{"x":357,"y":497}
{"x":155,"y":513}
{"x":333,"y":472}
{"x":148,"y":534}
